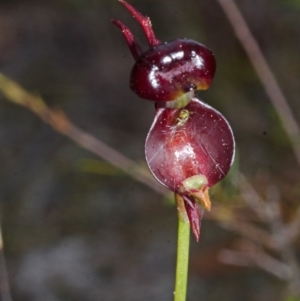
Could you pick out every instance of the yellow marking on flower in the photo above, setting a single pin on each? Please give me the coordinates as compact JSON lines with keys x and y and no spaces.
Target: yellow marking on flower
{"x":183,"y":117}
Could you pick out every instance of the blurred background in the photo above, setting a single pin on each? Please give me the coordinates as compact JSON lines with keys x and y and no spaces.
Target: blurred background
{"x":76,"y":228}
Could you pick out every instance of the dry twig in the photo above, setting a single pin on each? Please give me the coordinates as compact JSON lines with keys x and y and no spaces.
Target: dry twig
{"x":61,"y":123}
{"x":264,"y":73}
{"x":5,"y":294}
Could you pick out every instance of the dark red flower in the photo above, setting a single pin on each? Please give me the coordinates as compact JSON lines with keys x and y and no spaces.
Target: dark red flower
{"x":190,"y":146}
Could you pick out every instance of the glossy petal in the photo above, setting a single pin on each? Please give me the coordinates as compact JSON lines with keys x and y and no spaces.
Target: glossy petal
{"x":169,"y":70}
{"x":182,"y":143}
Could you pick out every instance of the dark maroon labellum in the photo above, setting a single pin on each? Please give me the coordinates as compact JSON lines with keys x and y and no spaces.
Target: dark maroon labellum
{"x":169,"y":70}
{"x":166,"y":71}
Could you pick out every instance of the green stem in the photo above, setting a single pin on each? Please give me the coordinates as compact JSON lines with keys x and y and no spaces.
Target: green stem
{"x":183,"y":245}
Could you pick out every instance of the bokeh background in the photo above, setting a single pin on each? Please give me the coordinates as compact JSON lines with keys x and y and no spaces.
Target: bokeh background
{"x":76,"y":228}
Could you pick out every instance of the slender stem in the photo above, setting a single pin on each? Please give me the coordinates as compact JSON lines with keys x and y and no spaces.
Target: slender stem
{"x":183,"y":245}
